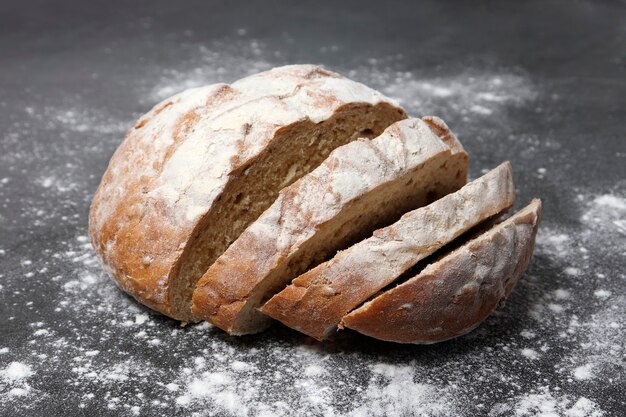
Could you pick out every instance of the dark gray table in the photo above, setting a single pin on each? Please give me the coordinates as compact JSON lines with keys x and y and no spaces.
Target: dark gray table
{"x":542,"y":84}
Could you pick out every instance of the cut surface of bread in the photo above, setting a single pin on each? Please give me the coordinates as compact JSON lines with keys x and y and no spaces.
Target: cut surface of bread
{"x":199,"y":167}
{"x":454,"y":295}
{"x":316,"y":301}
{"x":358,"y":188}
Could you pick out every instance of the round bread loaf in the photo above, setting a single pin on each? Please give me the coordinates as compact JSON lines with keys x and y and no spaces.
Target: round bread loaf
{"x":233,"y":191}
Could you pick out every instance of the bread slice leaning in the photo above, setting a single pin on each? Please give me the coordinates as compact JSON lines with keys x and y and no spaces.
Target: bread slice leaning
{"x":316,"y":301}
{"x":454,"y":295}
{"x":198,"y":168}
{"x":361,"y":186}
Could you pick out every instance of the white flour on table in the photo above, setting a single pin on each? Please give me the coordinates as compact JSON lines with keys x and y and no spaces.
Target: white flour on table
{"x":99,"y":340}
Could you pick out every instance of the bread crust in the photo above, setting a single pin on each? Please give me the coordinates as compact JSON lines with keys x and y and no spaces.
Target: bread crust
{"x":454,"y":295}
{"x":174,"y":164}
{"x":317,"y":300}
{"x":232,"y":288}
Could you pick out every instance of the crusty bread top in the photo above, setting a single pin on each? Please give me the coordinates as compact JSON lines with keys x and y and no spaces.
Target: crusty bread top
{"x":456,"y":293}
{"x":174,"y":163}
{"x":316,"y":301}
{"x":442,"y":130}
{"x":303,"y":208}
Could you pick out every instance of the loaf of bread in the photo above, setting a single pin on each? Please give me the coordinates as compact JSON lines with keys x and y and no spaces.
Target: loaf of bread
{"x":361,"y":186}
{"x":316,"y":302}
{"x":301,"y":195}
{"x":199,"y":167}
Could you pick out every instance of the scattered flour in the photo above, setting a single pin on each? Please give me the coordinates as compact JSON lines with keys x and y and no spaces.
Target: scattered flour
{"x":608,"y":212}
{"x":549,"y":403}
{"x":530,"y":353}
{"x":16,"y":371}
{"x":314,"y":370}
{"x":583,"y":372}
{"x":172,"y":387}
{"x":115,"y":355}
{"x":553,"y":243}
{"x":570,"y":270}
{"x":14,"y":381}
{"x":392,"y":391}
{"x":459,"y":96}
{"x":602,"y":294}
{"x":562,"y":294}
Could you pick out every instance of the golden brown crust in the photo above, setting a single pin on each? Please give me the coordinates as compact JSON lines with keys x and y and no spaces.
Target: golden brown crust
{"x":455,"y":294}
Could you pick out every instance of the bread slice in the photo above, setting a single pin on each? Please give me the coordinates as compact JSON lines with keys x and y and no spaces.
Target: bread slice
{"x":452,"y":296}
{"x":316,"y":301}
{"x":361,"y":186}
{"x":199,"y":167}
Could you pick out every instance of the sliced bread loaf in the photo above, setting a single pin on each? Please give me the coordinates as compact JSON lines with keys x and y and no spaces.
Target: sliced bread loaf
{"x":316,"y":301}
{"x":455,"y":294}
{"x":198,"y":168}
{"x":361,"y":186}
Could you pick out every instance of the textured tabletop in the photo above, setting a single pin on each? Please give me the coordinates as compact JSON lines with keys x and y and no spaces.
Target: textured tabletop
{"x":539,"y":83}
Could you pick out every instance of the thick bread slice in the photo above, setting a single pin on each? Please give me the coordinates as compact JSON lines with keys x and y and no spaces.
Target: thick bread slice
{"x":454,"y":295}
{"x":361,"y":186}
{"x":316,"y":301}
{"x":199,"y":167}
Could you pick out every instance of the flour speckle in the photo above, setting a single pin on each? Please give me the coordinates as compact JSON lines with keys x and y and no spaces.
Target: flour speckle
{"x":530,"y":353}
{"x":141,"y":318}
{"x":602,"y":294}
{"x":583,"y":372}
{"x":172,"y":387}
{"x":240,"y":366}
{"x":18,"y":392}
{"x":477,"y":108}
{"x":557,"y":308}
{"x":562,"y":294}
{"x":17,"y":371}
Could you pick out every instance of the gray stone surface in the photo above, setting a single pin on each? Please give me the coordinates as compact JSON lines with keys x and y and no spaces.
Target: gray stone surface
{"x":542,"y":84}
